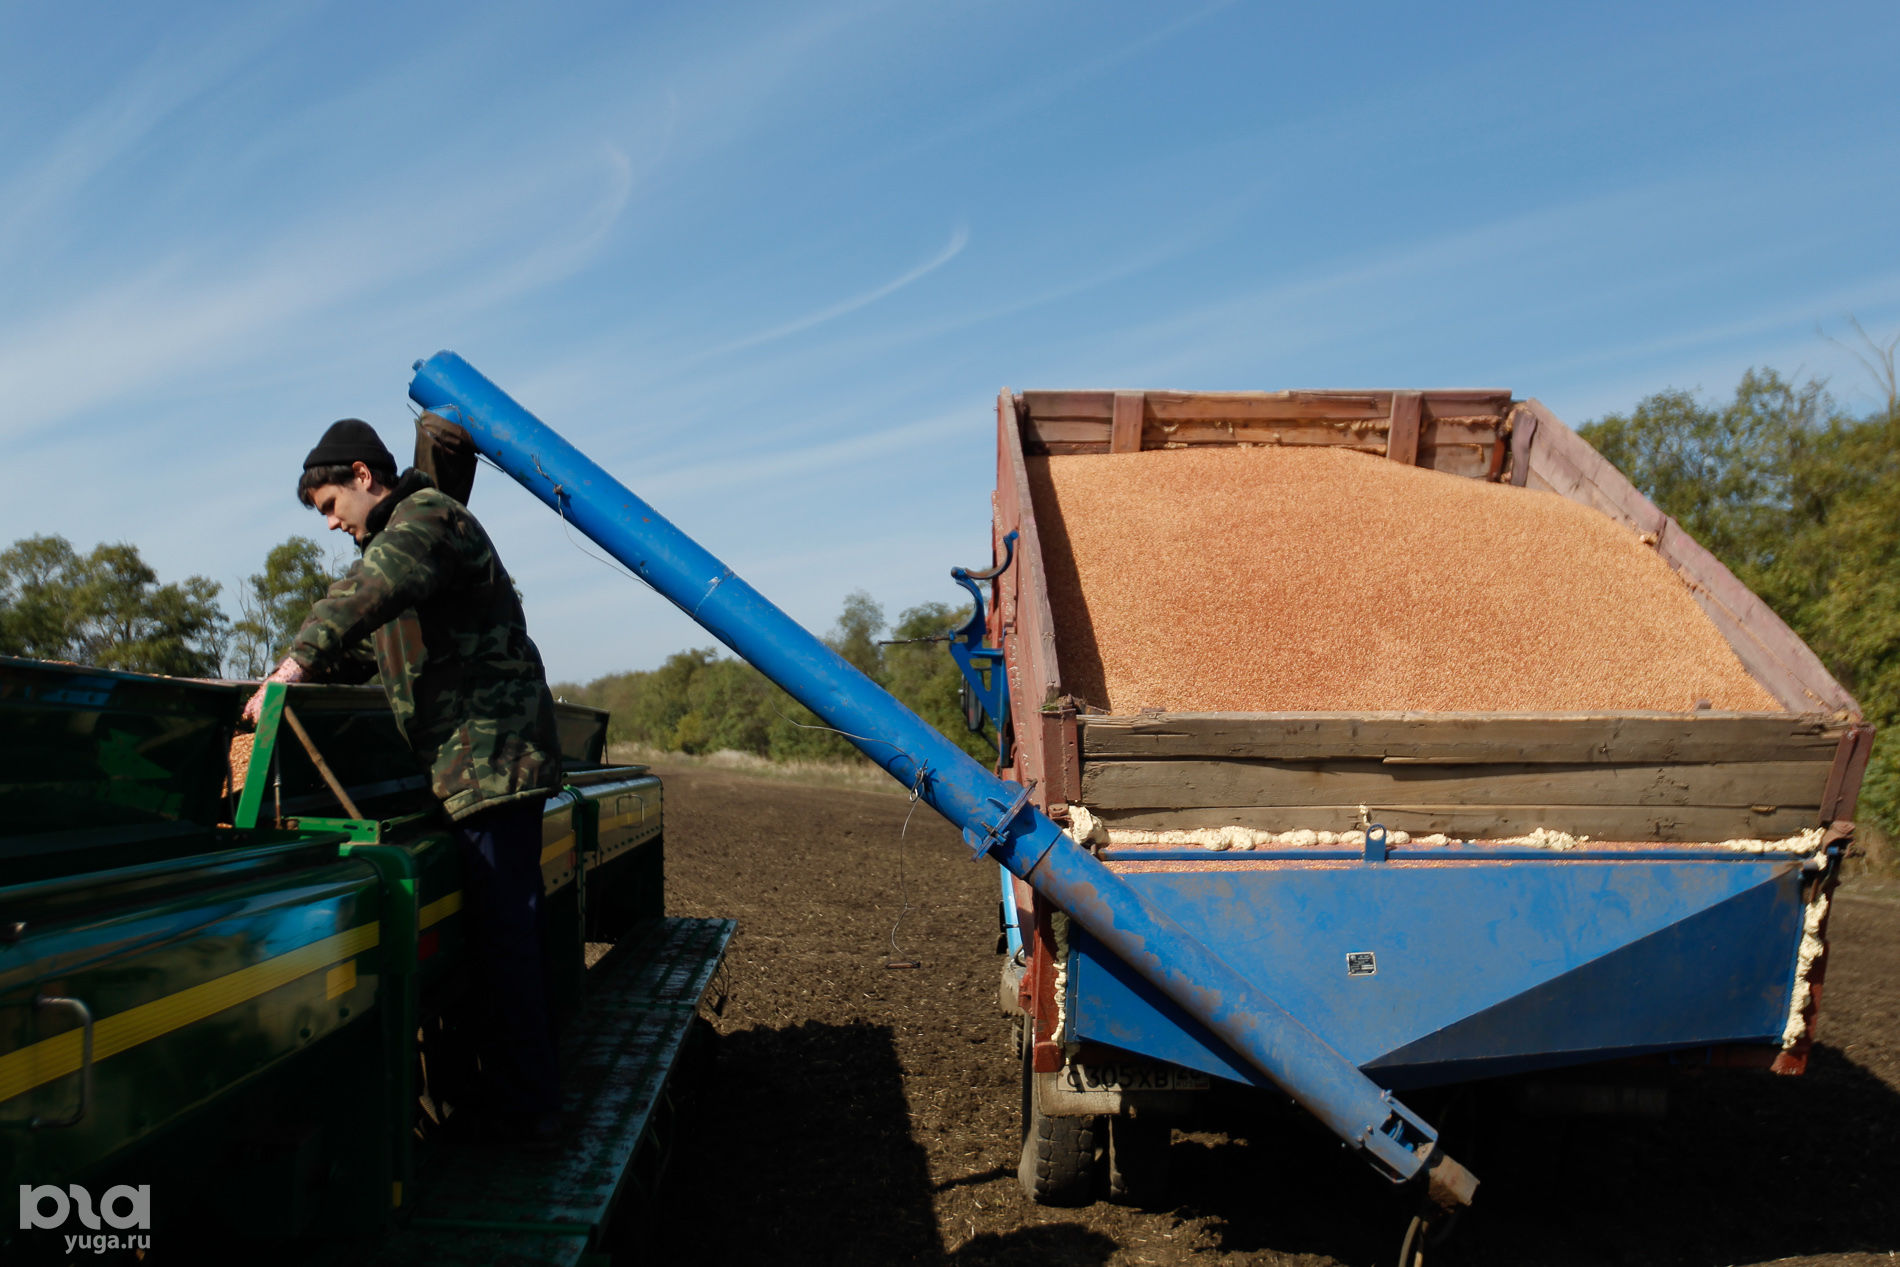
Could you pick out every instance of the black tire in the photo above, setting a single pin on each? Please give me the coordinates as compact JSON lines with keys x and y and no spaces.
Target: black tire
{"x":1060,"y":1154}
{"x":1138,"y":1154}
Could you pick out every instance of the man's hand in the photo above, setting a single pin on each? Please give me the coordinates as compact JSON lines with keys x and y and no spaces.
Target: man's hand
{"x":288,"y":671}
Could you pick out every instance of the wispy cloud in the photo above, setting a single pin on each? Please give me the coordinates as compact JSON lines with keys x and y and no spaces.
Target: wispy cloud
{"x":1770,"y":316}
{"x":552,"y":255}
{"x":1047,"y":85}
{"x":1474,"y":272}
{"x":175,"y":74}
{"x":804,"y":461}
{"x":197,"y":308}
{"x":959,"y":238}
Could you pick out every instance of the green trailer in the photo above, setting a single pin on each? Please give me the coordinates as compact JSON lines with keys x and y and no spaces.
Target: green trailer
{"x":227,"y":994}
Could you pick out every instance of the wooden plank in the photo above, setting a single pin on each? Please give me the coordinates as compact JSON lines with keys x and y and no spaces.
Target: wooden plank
{"x":1401,"y":430}
{"x":1482,"y":433}
{"x":1566,"y":738}
{"x":1125,"y":434}
{"x":1466,"y":460}
{"x":1198,"y":784}
{"x":1266,"y":406}
{"x":1095,"y":405}
{"x":1065,"y":447}
{"x":1466,"y":402}
{"x":1302,"y":431}
{"x":1064,"y":429}
{"x":1473,"y":822}
{"x":1523,"y":425}
{"x":1767,"y":648}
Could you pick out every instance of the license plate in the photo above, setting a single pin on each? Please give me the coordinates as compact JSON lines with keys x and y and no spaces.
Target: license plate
{"x":1131,"y":1075}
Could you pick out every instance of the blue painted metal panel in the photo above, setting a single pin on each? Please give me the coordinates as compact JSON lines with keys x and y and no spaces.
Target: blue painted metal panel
{"x":1513,"y":965}
{"x":996,"y":816}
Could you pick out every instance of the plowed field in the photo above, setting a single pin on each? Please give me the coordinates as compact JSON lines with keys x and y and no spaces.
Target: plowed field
{"x":860,"y":1114}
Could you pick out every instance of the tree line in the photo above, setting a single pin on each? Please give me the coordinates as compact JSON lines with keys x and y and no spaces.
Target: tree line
{"x":108,"y":608}
{"x":700,"y":701}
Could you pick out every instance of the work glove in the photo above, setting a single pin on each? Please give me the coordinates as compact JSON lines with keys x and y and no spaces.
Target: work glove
{"x":288,"y":671}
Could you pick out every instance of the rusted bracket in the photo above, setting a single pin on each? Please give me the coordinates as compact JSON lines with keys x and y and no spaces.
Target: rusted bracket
{"x":1843,"y":780}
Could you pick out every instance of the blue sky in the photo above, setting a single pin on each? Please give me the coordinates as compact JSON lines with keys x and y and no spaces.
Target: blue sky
{"x":771,"y":263}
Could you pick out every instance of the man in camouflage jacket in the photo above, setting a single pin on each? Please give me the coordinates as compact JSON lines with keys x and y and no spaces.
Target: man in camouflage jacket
{"x":470,"y":696}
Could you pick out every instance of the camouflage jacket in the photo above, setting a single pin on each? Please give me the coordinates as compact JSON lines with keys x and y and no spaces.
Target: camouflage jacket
{"x":452,"y":648}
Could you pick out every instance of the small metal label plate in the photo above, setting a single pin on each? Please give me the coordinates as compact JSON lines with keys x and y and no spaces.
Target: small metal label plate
{"x":1361,"y":963}
{"x":1129,"y":1075}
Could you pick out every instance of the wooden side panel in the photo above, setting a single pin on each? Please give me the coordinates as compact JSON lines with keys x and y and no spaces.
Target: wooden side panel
{"x":1454,"y":430}
{"x":1267,"y":406}
{"x":1479,"y":822}
{"x":1097,"y":406}
{"x":1028,"y":626}
{"x":1562,"y":461}
{"x":1110,"y":785}
{"x":1051,"y":431}
{"x":1369,"y":436}
{"x":1479,"y":402}
{"x":1469,"y":460}
{"x":1622,"y":776}
{"x":1462,"y":738}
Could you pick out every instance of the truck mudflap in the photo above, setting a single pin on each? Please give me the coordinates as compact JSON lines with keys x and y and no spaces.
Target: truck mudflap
{"x":995,"y":815}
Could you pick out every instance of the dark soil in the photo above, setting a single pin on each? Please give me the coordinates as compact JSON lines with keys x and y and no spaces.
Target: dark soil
{"x":866,"y":1114}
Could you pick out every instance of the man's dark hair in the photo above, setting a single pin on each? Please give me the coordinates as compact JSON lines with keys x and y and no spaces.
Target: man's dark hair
{"x":315,"y":477}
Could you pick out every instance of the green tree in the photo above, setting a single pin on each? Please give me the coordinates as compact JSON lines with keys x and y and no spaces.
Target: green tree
{"x":926,"y":679}
{"x":108,"y":609}
{"x":735,"y":703}
{"x":855,"y":636}
{"x":1730,"y":473}
{"x":37,"y":608}
{"x":274,"y":602}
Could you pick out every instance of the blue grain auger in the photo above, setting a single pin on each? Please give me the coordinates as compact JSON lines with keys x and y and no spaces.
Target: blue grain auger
{"x":996,"y":816}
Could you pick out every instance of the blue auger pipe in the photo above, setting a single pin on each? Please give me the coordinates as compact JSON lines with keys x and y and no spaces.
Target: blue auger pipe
{"x":996,"y":816}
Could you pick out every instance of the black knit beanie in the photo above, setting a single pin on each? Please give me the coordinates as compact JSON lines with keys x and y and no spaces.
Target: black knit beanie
{"x":351,"y":440}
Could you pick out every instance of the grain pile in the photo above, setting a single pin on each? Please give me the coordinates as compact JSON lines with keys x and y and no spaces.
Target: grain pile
{"x":1316,"y":579}
{"x":240,"y":762}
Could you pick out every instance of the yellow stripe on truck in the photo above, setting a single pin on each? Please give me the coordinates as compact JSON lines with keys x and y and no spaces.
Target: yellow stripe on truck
{"x":439,"y":910}
{"x":56,"y":1057}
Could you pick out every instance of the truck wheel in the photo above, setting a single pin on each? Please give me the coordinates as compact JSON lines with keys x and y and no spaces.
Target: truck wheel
{"x":1138,"y":1154}
{"x":1059,"y":1153}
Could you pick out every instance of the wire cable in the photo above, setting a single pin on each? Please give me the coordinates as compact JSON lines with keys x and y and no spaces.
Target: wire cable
{"x":898,"y":958}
